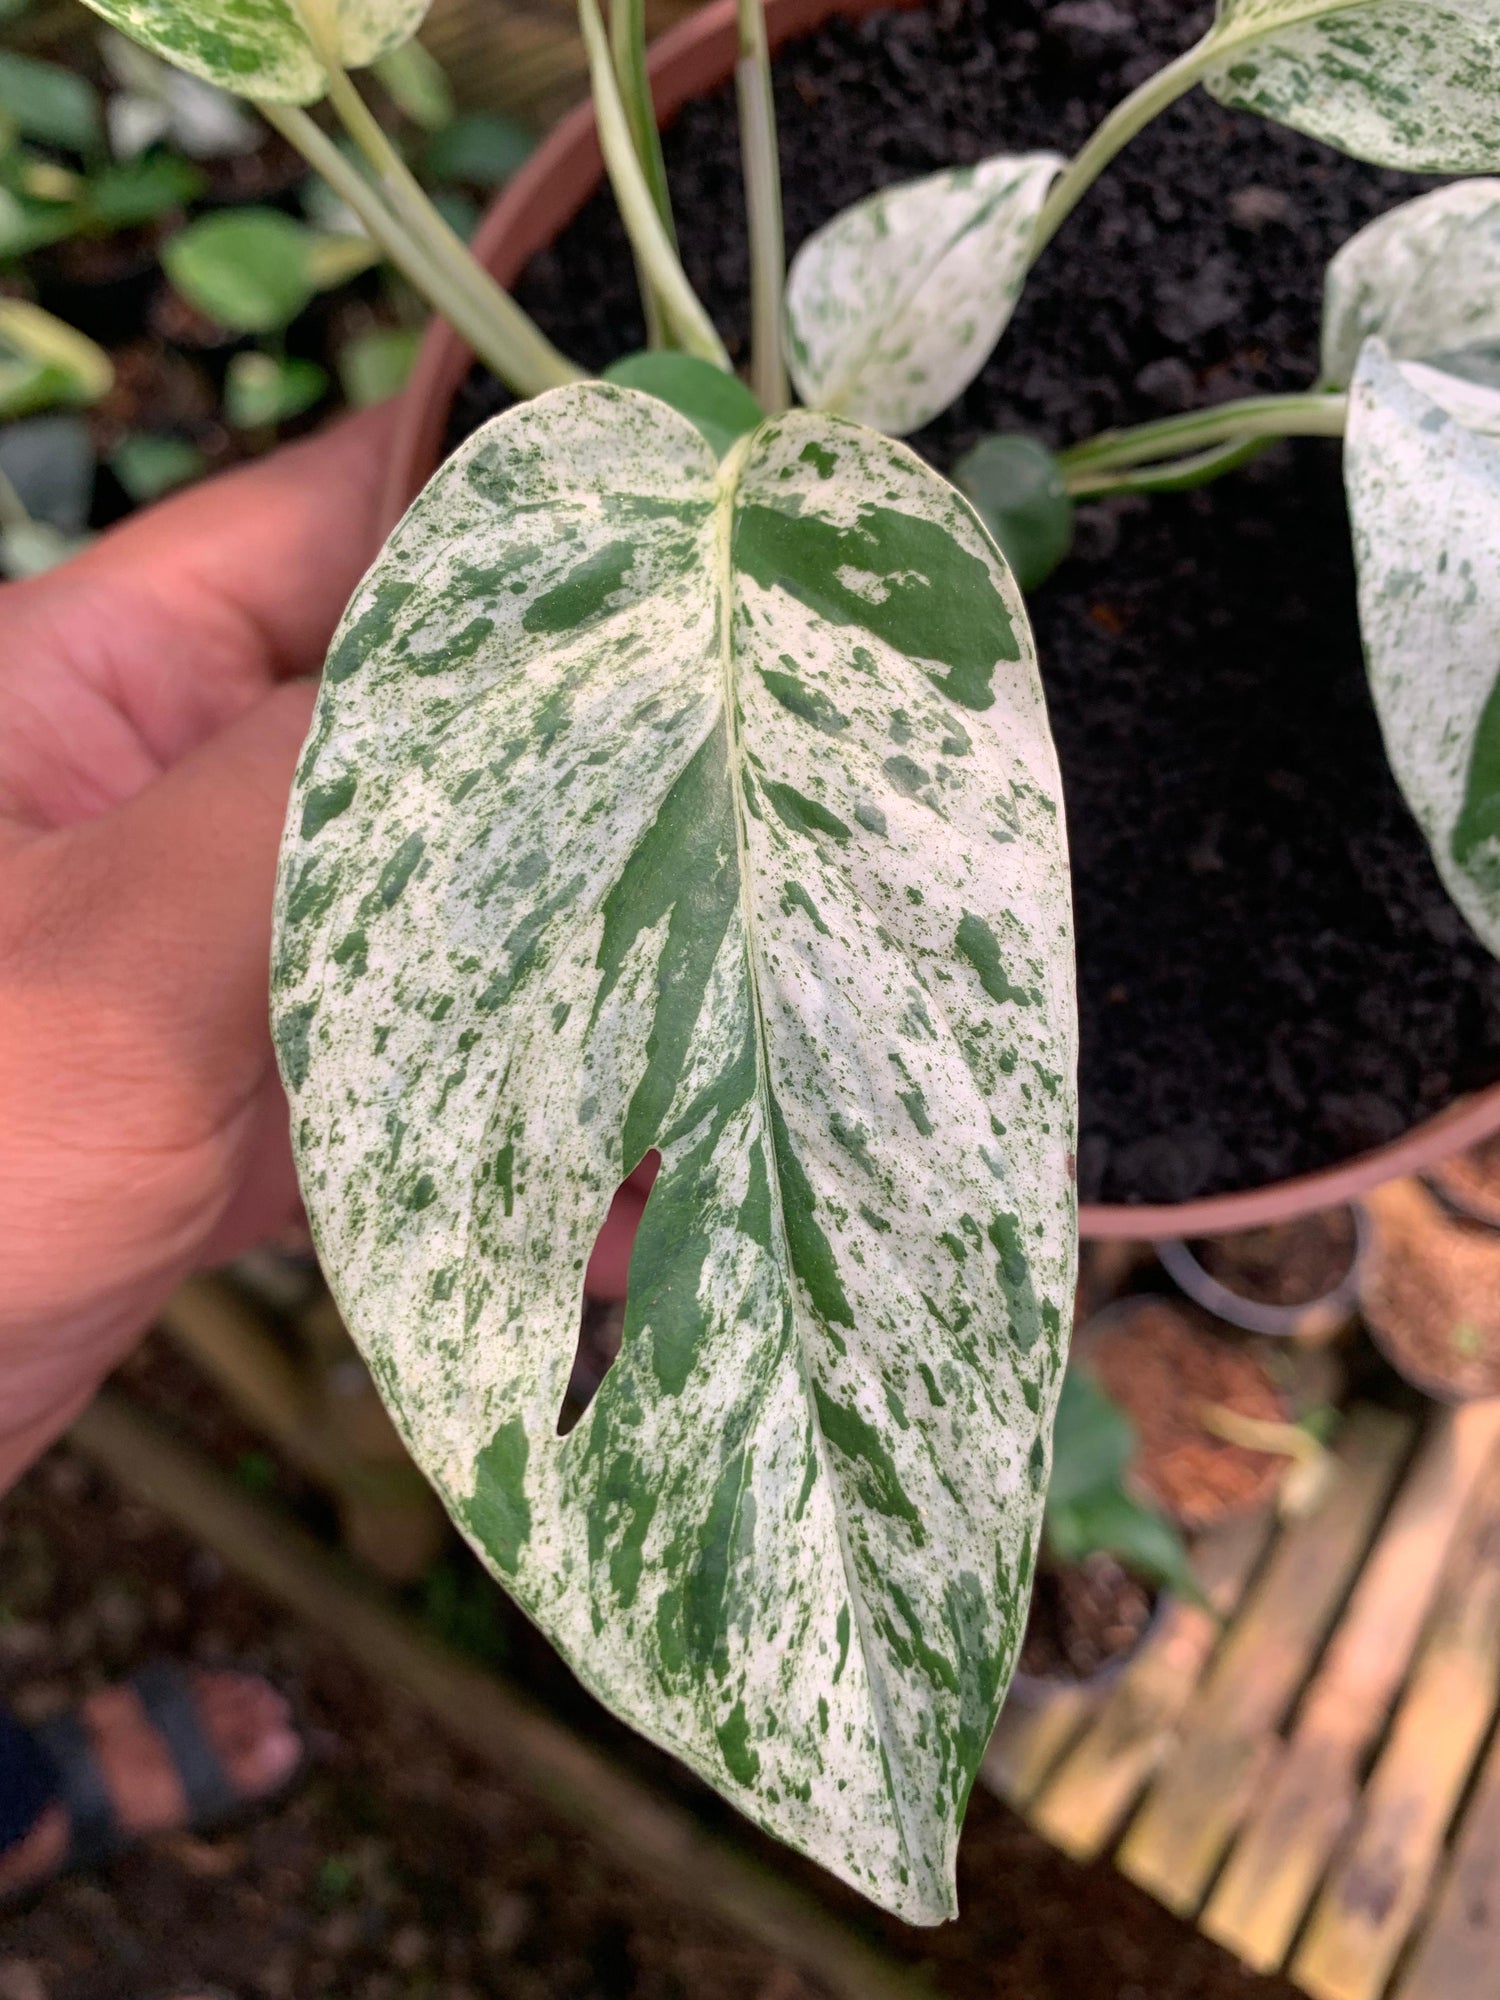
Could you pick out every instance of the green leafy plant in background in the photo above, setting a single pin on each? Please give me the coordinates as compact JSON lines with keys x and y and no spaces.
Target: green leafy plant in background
{"x":78,"y":161}
{"x":255,"y":269}
{"x":47,"y":110}
{"x":44,"y":361}
{"x":1091,"y":1509}
{"x":680,"y":786}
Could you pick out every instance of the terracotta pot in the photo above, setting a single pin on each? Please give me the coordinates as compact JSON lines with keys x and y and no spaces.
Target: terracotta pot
{"x":1426,"y":1258}
{"x":1213,"y":1510}
{"x":689,"y":60}
{"x":1461,"y":1197}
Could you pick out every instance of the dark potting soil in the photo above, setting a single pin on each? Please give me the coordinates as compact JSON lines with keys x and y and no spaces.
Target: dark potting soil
{"x":1272,"y":977}
{"x":1084,"y":1619}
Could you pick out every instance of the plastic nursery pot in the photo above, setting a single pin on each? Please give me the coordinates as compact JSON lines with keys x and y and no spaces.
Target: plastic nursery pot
{"x":1431,"y":1295}
{"x":1328,"y":1310}
{"x":1163,"y":1363}
{"x":690,"y":59}
{"x":1093,"y":1592}
{"x":1468,"y":1185}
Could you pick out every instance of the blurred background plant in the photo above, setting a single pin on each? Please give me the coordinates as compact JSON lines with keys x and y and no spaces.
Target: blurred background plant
{"x":177,"y":292}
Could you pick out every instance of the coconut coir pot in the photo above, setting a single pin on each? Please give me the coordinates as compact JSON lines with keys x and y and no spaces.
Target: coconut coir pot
{"x":691,"y":61}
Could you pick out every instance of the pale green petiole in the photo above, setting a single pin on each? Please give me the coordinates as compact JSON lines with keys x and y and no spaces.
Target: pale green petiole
{"x":1132,"y":115}
{"x":1176,"y":475}
{"x":684,"y":315}
{"x":762,"y":170}
{"x":1187,"y":451}
{"x":514,"y":347}
{"x":627,"y":35}
{"x":527,"y":366}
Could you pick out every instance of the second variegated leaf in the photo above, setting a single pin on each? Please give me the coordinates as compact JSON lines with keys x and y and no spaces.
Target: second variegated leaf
{"x":894,"y":307}
{"x":1424,"y":278}
{"x":1405,"y":83}
{"x":1422,"y":465}
{"x":262,"y":48}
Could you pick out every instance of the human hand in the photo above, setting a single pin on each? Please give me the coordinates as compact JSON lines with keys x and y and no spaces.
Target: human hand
{"x":151,"y":712}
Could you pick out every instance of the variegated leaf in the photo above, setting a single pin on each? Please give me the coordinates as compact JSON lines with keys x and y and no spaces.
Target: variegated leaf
{"x":1422,"y":464}
{"x":259,"y":48}
{"x":654,"y":804}
{"x":894,"y":307}
{"x":1425,"y":278}
{"x":1405,"y":83}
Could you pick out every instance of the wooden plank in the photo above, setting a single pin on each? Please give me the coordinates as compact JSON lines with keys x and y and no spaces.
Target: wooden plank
{"x":1179,"y":1837}
{"x":1028,"y":1740}
{"x":1284,"y":1849}
{"x":1374,"y":1893}
{"x":1085,"y":1801}
{"x":1457,"y":1958}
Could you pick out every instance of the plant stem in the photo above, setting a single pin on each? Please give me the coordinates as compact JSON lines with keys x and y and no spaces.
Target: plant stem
{"x":1219,"y":437}
{"x":760,"y":156}
{"x":466,"y":312}
{"x":627,"y":34}
{"x":534,"y":363}
{"x":13,"y":513}
{"x":1119,"y":128}
{"x":681,"y":309}
{"x":411,"y":257}
{"x":1176,"y":475}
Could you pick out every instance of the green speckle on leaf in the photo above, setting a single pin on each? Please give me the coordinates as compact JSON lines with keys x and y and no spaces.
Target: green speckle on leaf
{"x":802,"y":814}
{"x":497,"y":1511}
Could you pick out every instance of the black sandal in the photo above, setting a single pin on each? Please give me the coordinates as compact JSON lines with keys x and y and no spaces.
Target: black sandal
{"x":165,"y":1691}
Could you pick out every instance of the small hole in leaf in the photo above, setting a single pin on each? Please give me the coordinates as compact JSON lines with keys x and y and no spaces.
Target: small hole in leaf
{"x":603,"y":1317}
{"x":599,"y":1330}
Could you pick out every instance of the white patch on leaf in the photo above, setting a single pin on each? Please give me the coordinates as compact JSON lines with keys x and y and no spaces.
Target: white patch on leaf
{"x":1424,"y":278}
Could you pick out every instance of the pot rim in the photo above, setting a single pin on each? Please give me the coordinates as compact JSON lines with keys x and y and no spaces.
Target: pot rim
{"x":695,"y":56}
{"x":1323,"y":1315}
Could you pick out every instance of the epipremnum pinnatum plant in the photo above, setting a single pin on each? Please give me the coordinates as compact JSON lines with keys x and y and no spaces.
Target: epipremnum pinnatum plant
{"x":681,"y":785}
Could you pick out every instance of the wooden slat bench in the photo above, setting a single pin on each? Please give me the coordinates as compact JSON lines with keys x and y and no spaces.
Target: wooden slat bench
{"x":1309,"y":1779}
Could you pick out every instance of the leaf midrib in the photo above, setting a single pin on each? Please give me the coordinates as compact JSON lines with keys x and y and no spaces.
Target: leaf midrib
{"x":729,"y":480}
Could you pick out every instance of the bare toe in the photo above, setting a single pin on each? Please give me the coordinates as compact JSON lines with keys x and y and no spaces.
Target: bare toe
{"x":248,"y":1723}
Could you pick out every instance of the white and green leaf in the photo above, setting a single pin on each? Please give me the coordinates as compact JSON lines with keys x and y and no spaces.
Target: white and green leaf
{"x":261,"y":48}
{"x":658,"y":804}
{"x":1422,"y":466}
{"x":894,"y":307}
{"x":1404,"y":83}
{"x":1424,"y":278}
